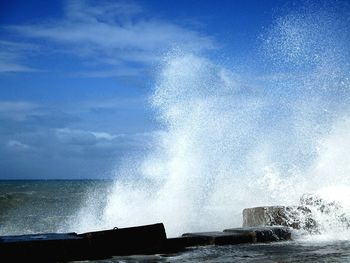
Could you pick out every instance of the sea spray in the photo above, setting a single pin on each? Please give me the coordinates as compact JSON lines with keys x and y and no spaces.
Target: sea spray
{"x":230,"y":142}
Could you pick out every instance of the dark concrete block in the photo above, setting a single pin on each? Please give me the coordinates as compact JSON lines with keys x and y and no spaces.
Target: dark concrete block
{"x":41,"y":247}
{"x":231,"y":237}
{"x":264,"y":234}
{"x":147,"y":239}
{"x":216,"y":238}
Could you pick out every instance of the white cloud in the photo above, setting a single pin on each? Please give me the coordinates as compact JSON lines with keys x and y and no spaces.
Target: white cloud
{"x":87,"y":137}
{"x":76,"y":136}
{"x":14,"y":67}
{"x":12,"y":55}
{"x":115,"y":33}
{"x":17,"y":110}
{"x":6,"y":106}
{"x":104,"y":135}
{"x":16,"y":46}
{"x":17,"y":145}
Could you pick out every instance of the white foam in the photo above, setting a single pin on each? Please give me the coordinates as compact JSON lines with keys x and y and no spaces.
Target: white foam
{"x":230,"y":143}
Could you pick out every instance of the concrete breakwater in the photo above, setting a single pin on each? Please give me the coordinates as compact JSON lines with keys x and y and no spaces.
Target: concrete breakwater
{"x":148,"y":239}
{"x":260,"y":224}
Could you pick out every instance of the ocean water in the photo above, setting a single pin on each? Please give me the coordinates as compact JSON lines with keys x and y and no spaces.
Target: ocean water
{"x":39,"y":206}
{"x":265,"y":253}
{"x":50,"y":206}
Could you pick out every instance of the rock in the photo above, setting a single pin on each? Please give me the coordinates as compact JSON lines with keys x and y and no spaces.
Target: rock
{"x":232,"y":236}
{"x":330,"y":211}
{"x":297,"y":217}
{"x":311,"y":200}
{"x":314,"y":214}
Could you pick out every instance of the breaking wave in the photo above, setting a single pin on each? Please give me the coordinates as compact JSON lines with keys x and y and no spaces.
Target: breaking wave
{"x":229,"y":142}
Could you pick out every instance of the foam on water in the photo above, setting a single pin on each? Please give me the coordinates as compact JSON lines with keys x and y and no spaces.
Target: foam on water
{"x":230,"y":142}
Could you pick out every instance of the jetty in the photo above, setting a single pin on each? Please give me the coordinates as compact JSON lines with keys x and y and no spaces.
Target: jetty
{"x":139,"y":240}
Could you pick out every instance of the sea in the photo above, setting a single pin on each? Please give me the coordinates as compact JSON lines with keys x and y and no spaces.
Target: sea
{"x":38,"y":206}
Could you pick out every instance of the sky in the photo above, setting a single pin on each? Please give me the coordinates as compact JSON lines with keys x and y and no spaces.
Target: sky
{"x":76,"y":76}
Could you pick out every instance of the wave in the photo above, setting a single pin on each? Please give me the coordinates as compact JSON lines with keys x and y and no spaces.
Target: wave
{"x":230,"y":141}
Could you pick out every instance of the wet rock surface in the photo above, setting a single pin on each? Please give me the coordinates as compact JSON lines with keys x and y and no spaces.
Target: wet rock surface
{"x":331,"y":211}
{"x":310,"y":215}
{"x":297,"y":217}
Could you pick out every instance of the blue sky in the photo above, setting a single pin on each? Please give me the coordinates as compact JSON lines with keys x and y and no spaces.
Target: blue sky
{"x":75,"y":76}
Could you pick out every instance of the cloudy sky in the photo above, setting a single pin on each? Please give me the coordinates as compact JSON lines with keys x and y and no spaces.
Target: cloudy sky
{"x":75,"y":76}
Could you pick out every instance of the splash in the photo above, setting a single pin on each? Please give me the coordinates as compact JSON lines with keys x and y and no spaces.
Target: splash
{"x":230,"y":142}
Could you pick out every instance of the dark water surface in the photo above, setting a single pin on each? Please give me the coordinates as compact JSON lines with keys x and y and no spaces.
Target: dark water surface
{"x":292,"y":251}
{"x":49,"y":206}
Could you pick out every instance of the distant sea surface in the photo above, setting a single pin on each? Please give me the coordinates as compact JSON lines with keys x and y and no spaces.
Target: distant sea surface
{"x":48,"y":206}
{"x":36,"y":206}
